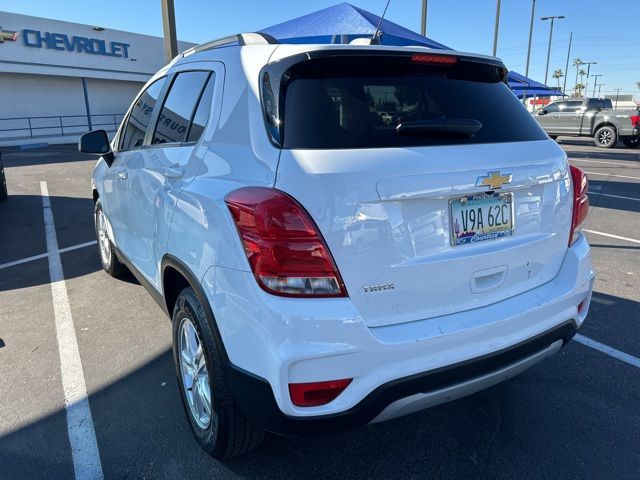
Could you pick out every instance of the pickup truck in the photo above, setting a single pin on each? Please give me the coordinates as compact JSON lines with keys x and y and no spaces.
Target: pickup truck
{"x":591,"y":117}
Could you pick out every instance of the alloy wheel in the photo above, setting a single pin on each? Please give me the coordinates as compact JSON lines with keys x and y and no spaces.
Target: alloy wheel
{"x":103,"y":238}
{"x":605,"y":137}
{"x":194,"y":374}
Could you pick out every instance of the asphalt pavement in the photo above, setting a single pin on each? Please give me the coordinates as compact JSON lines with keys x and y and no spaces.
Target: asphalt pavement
{"x":576,"y":415}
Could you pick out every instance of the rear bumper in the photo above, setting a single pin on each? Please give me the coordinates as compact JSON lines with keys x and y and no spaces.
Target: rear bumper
{"x":273,"y":341}
{"x":399,"y":397}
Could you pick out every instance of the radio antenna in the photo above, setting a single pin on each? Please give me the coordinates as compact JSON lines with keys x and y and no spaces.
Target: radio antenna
{"x":375,"y":40}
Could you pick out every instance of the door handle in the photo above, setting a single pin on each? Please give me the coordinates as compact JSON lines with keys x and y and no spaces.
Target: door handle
{"x":123,"y":175}
{"x":173,"y":172}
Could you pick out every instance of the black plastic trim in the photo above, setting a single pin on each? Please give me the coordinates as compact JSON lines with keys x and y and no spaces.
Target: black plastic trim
{"x":256,"y":401}
{"x":157,"y":296}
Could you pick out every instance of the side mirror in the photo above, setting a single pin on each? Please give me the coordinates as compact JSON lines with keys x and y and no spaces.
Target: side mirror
{"x":542,"y":112}
{"x":96,"y":142}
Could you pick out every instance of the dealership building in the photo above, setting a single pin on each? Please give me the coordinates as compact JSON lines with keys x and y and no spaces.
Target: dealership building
{"x":59,"y":79}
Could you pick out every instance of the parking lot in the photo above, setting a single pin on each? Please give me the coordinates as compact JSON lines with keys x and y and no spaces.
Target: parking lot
{"x":576,"y":415}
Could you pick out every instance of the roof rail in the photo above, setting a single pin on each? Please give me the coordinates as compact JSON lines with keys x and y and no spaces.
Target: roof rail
{"x":240,"y":39}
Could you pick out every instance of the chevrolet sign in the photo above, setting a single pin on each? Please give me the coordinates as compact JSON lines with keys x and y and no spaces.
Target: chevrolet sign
{"x":61,"y":41}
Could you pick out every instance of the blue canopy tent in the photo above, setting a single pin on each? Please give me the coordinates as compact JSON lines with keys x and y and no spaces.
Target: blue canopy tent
{"x":522,"y":86}
{"x":344,"y":22}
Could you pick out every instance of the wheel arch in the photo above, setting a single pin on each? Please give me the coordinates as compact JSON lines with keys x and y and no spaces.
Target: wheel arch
{"x":605,"y":124}
{"x":176,"y":276}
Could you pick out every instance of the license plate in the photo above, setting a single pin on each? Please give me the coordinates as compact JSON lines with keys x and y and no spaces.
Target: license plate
{"x":475,"y":218}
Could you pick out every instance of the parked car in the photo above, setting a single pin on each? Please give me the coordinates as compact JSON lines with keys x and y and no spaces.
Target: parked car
{"x":232,"y":190}
{"x":3,"y":181}
{"x":591,"y":117}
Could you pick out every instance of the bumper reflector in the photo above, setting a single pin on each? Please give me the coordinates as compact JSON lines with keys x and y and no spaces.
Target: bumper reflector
{"x":317,"y":393}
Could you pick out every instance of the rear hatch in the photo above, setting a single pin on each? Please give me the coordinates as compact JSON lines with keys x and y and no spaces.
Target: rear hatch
{"x":434,"y":189}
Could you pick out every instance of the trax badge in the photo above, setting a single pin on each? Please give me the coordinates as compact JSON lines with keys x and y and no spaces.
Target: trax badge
{"x":377,"y":288}
{"x":493,"y":180}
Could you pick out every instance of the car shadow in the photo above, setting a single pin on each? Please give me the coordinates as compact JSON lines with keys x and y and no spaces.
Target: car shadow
{"x":503,"y":432}
{"x":13,"y":157}
{"x":599,"y":189}
{"x":22,"y":235}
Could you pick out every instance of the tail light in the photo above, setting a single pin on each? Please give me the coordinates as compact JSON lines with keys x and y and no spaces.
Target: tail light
{"x":286,"y":252}
{"x":317,"y":393}
{"x":635,"y":121}
{"x":580,"y":201}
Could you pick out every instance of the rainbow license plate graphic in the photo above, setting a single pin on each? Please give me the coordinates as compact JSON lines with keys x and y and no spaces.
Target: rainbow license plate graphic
{"x":485,"y":216}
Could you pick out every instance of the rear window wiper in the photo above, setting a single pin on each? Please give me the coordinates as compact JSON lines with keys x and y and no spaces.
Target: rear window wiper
{"x":464,"y":127}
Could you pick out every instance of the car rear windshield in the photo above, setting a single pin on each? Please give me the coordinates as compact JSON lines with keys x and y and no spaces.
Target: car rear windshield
{"x":349,"y":101}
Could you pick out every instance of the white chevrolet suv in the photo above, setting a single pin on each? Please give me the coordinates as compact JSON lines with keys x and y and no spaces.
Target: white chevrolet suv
{"x":325,"y":268}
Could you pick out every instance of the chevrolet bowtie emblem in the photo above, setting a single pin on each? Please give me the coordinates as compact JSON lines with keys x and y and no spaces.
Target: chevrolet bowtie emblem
{"x":8,"y":36}
{"x":494,"y":180}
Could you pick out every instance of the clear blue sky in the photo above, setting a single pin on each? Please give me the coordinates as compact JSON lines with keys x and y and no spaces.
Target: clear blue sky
{"x":604,"y":31}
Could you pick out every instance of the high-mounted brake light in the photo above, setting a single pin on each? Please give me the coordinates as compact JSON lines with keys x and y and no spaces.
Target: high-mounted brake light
{"x":317,"y":393}
{"x":635,"y":121}
{"x":580,"y":201}
{"x":429,"y":59}
{"x":285,"y":249}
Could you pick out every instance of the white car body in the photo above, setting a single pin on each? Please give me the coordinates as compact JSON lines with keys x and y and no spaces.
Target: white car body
{"x":448,"y":305}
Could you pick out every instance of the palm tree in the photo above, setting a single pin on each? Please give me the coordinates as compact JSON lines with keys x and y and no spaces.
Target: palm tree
{"x":558,"y":74}
{"x":576,"y":63}
{"x":579,"y":87}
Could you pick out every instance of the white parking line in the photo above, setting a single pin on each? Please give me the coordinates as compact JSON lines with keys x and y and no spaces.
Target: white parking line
{"x":611,"y":235}
{"x":612,"y":352}
{"x":45,"y":255}
{"x":82,"y":436}
{"x":630,"y":163}
{"x":611,"y":175}
{"x":615,"y":196}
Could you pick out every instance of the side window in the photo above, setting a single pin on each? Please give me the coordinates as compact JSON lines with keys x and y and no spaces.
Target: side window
{"x":552,"y":107}
{"x":572,"y":106}
{"x":179,"y":106}
{"x":202,"y":113}
{"x":138,"y":120}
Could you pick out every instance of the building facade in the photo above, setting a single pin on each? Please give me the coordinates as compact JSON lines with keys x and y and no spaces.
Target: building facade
{"x":59,"y":79}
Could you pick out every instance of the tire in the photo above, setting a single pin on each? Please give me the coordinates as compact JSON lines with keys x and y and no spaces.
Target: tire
{"x":605,"y":137}
{"x":3,"y":183}
{"x":631,"y":142}
{"x":108,"y":258}
{"x":219,"y":428}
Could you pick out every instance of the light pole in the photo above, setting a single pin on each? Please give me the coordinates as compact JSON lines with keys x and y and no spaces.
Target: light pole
{"x":600,"y":85}
{"x":169,"y":27}
{"x":617,"y":94}
{"x":566,"y":67}
{"x":552,"y":18}
{"x":595,"y":83}
{"x":588,"y":72}
{"x":495,"y":32}
{"x":526,"y":73}
{"x":423,"y":23}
